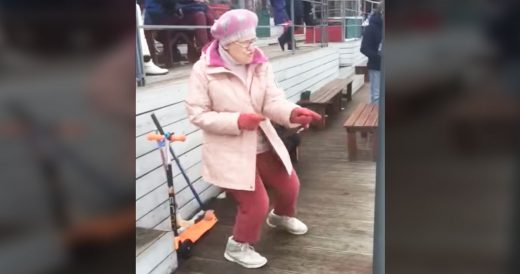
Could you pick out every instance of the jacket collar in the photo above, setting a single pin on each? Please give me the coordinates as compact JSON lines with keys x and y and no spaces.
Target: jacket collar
{"x":216,"y":64}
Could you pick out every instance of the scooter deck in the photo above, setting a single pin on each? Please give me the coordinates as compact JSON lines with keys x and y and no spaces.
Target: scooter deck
{"x":194,"y":232}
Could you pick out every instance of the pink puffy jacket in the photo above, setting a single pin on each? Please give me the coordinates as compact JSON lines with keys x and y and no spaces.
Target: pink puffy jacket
{"x":215,"y":100}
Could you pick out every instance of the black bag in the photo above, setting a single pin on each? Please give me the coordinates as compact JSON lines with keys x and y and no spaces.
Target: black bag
{"x":306,"y":95}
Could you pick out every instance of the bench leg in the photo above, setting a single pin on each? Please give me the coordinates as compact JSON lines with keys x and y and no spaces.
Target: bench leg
{"x":351,"y":145}
{"x":321,"y":110}
{"x":335,"y":105}
{"x":337,"y":102}
{"x":349,"y":92}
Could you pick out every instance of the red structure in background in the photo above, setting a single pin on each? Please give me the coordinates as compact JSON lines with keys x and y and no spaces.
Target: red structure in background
{"x":313,"y":34}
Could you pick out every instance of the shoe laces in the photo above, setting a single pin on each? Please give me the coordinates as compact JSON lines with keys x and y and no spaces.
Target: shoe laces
{"x":247,"y":247}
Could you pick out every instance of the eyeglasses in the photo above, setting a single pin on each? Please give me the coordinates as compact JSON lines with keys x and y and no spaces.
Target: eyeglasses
{"x":246,"y":44}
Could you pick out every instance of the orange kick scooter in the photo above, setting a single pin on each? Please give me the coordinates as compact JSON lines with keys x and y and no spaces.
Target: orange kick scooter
{"x":201,"y":223}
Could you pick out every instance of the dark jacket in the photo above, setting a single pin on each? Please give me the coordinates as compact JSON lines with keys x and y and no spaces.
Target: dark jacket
{"x":372,"y":37}
{"x":169,"y":7}
{"x":298,"y":11}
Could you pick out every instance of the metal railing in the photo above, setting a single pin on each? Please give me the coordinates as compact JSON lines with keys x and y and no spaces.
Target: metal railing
{"x":338,"y":12}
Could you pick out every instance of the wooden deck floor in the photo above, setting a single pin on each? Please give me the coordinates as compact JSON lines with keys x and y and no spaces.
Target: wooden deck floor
{"x":336,"y":202}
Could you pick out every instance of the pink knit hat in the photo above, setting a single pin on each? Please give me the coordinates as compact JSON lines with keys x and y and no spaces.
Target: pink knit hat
{"x":235,"y":25}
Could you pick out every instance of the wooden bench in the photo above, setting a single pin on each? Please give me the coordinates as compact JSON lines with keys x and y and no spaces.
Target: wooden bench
{"x":362,"y":70}
{"x":327,"y":99}
{"x":364,"y":119}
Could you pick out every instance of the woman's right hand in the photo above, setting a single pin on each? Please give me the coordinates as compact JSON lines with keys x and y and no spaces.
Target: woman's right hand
{"x":249,"y":121}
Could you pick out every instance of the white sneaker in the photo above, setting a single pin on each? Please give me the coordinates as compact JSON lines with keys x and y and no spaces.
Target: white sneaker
{"x":243,"y":254}
{"x":151,"y":69}
{"x":291,"y":224}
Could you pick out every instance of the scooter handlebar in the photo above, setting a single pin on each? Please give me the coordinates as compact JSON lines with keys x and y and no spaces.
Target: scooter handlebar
{"x":159,"y":137}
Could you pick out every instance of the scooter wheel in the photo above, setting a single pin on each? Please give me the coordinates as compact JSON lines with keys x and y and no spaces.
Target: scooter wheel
{"x":184,"y":250}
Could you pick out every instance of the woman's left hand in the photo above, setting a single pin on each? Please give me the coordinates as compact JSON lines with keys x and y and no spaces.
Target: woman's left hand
{"x":304,"y":116}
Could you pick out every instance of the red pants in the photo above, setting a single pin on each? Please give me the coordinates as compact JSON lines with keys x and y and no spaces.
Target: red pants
{"x":202,"y":36}
{"x":253,"y":206}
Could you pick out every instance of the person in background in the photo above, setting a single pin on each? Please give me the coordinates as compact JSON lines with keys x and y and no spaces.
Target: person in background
{"x":149,"y":67}
{"x":371,"y":47}
{"x":282,"y":19}
{"x":187,"y":12}
{"x":308,"y":14}
{"x":233,"y":97}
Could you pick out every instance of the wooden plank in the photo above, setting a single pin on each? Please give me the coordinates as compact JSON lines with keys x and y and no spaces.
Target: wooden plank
{"x":145,"y":237}
{"x":319,"y":75}
{"x":301,"y":68}
{"x":156,"y":98}
{"x":165,"y":225}
{"x":288,"y":63}
{"x":166,"y":115}
{"x":370,"y":111}
{"x":328,"y":91}
{"x":360,"y":122}
{"x":149,"y":182}
{"x":146,"y":184}
{"x":354,"y":116}
{"x":316,"y":80}
{"x":185,"y":196}
{"x":152,"y":161}
{"x":333,"y":89}
{"x":147,"y":203}
{"x":167,"y":266}
{"x":314,"y":85}
{"x":373,"y":116}
{"x":155,"y":217}
{"x":321,"y":96}
{"x":155,"y":254}
{"x":193,"y":207}
{"x":313,"y":78}
{"x":357,"y":83}
{"x":304,"y":70}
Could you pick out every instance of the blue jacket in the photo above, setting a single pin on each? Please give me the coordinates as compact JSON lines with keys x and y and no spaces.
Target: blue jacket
{"x":371,"y":40}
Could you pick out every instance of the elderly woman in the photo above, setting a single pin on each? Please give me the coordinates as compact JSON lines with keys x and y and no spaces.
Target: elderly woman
{"x":233,"y":98}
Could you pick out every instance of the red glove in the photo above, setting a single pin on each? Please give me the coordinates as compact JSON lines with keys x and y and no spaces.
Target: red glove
{"x":304,"y":116}
{"x":249,"y":121}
